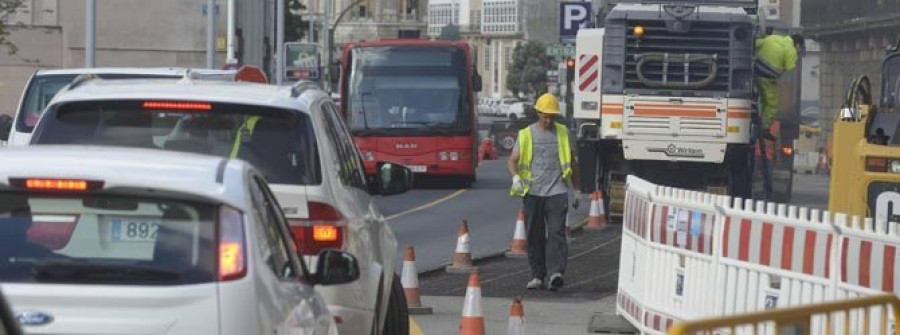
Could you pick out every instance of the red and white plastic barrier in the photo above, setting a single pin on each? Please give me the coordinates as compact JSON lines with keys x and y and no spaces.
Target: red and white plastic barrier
{"x":688,"y":255}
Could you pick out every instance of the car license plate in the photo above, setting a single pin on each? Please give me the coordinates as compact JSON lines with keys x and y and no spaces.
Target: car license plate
{"x":134,"y":230}
{"x":418,"y":168}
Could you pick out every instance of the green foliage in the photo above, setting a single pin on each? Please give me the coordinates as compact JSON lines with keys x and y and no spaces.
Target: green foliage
{"x":528,"y":71}
{"x":450,"y":32}
{"x":295,"y":27}
{"x":7,"y":9}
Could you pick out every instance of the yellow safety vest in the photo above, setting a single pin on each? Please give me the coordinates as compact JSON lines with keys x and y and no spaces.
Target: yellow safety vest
{"x":526,"y":154}
{"x":245,"y":129}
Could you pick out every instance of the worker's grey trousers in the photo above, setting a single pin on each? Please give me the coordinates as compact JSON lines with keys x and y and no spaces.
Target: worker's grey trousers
{"x":545,"y":223}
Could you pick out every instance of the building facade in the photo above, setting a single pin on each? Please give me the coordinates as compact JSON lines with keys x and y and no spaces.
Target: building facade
{"x":51,"y":34}
{"x":493,"y":28}
{"x":853,"y":36}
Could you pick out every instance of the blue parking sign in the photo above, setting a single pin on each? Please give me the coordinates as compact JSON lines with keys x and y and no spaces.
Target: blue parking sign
{"x":572,"y":16}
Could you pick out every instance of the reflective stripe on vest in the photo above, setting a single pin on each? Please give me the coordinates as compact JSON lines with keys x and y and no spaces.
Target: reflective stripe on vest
{"x":246,"y":130}
{"x":526,"y":153}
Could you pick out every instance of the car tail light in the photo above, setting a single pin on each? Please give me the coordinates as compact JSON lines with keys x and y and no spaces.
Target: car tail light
{"x":883,"y":165}
{"x":324,"y":229}
{"x":876,"y":164}
{"x":787,"y":150}
{"x":179,"y":105}
{"x":232,"y":246}
{"x":55,"y":185}
{"x":53,"y":231}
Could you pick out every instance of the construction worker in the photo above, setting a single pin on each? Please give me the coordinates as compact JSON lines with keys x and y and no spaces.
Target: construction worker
{"x":775,"y":56}
{"x":542,"y":169}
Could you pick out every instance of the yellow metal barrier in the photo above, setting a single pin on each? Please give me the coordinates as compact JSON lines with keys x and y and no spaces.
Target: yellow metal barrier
{"x":797,"y":320}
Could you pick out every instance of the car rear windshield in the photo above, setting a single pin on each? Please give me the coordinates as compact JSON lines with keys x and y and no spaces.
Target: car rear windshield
{"x":105,"y":239}
{"x":280,"y":143}
{"x":43,"y":88}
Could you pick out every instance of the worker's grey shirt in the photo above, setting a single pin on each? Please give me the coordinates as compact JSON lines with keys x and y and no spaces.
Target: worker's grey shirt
{"x":546,"y":172}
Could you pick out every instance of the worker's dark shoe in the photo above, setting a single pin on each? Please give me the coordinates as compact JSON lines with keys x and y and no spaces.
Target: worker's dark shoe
{"x":556,"y":281}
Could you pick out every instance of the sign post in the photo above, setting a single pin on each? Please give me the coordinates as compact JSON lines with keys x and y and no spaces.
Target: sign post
{"x":301,"y":62}
{"x":572,"y":16}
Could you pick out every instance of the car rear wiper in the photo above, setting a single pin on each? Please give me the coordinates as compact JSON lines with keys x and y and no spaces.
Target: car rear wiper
{"x":57,"y":270}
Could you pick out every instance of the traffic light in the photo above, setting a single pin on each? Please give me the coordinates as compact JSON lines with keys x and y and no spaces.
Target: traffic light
{"x":570,"y":69}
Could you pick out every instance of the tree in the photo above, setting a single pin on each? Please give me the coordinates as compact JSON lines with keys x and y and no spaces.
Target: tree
{"x":528,"y":71}
{"x":450,"y":32}
{"x":7,"y":9}
{"x":295,"y":27}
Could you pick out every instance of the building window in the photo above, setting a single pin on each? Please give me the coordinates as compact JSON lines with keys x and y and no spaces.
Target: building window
{"x":773,"y":12}
{"x":362,"y":11}
{"x":487,"y":57}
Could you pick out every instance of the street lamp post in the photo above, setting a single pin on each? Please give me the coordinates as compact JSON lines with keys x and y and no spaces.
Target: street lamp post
{"x":90,"y":34}
{"x":331,"y":42}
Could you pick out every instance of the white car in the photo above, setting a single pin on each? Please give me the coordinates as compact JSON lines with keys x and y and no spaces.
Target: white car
{"x":512,"y":108}
{"x":293,"y":134}
{"x":100,"y":240}
{"x":44,"y":84}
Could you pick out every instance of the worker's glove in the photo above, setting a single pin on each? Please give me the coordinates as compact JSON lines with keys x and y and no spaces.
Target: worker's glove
{"x":576,"y":202}
{"x":518,"y":184}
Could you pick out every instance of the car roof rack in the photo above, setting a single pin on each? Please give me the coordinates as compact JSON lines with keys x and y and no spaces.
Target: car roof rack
{"x":301,"y":86}
{"x":81,"y":79}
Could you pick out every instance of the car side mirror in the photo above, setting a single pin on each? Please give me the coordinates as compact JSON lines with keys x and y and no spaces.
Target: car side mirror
{"x":476,"y":82}
{"x":6,"y":122}
{"x":391,"y":178}
{"x":335,"y":267}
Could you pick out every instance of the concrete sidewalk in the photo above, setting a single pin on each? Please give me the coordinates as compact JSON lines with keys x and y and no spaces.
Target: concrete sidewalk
{"x":558,"y":317}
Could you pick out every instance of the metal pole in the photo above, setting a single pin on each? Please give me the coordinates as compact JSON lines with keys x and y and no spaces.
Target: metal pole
{"x":229,"y":44}
{"x":210,"y":33}
{"x":90,"y":34}
{"x":311,"y":32}
{"x":330,"y":46}
{"x":279,"y":42}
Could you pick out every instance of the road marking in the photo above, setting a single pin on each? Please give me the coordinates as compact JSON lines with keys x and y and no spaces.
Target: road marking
{"x":428,"y":205}
{"x":593,"y":278}
{"x":414,"y":328}
{"x":601,"y":245}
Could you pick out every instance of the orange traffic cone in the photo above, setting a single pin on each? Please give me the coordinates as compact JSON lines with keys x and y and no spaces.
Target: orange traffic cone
{"x":462,"y":260}
{"x":472,"y":322}
{"x":410,"y":280}
{"x":518,"y":247}
{"x":516,"y":318}
{"x":597,"y":217}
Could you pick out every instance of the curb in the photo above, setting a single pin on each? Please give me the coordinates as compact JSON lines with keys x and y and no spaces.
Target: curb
{"x":499,"y":254}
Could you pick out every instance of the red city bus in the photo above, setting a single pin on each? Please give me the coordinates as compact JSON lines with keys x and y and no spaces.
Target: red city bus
{"x":412,"y":102}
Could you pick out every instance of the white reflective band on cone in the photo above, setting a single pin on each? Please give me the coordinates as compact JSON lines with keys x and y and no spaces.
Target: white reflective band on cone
{"x":600,"y":210}
{"x":462,"y":244}
{"x":409,"y":279}
{"x":520,"y":231}
{"x":595,"y":208}
{"x":472,"y":306}
{"x":516,"y":326}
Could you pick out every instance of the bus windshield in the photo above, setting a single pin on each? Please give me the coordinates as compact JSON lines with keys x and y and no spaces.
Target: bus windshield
{"x":408,"y":90}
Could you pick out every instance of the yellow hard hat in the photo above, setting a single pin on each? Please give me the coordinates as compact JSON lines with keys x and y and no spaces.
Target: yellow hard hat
{"x":547,"y":104}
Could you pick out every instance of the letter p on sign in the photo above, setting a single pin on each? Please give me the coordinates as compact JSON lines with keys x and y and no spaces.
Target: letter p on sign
{"x":572,"y":16}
